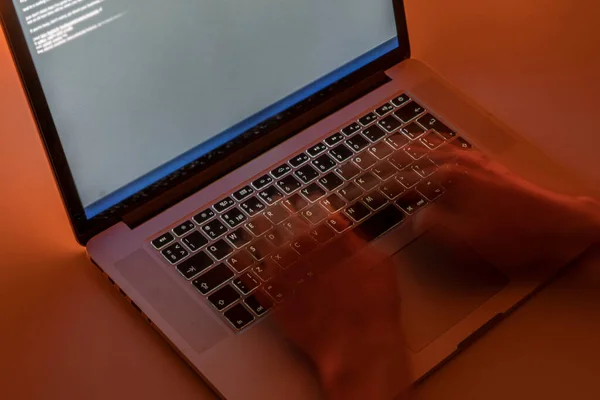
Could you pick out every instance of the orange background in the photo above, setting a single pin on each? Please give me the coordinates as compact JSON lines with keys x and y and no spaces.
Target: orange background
{"x":533,"y":63}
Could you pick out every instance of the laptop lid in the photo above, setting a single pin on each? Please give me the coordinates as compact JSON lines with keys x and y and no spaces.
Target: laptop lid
{"x":142,"y":102}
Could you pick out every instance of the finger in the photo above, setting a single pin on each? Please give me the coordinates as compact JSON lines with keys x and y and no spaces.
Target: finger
{"x":467,"y":158}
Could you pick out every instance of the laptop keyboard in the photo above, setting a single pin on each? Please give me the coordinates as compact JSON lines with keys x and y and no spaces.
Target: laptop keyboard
{"x":232,"y":251}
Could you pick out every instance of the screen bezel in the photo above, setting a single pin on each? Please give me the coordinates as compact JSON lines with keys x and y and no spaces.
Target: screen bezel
{"x":85,"y":228}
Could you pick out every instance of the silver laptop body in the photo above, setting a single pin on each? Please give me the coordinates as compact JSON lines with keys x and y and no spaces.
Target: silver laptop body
{"x":196,"y":250}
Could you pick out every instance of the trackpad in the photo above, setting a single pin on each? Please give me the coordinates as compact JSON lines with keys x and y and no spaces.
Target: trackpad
{"x":441,"y":283}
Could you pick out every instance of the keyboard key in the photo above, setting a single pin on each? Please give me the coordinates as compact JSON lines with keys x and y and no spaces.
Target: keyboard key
{"x":390,"y":123}
{"x":271,"y":195}
{"x":243,"y":193}
{"x":246,"y":283}
{"x":341,"y":153}
{"x":259,"y":303}
{"x":431,"y":122}
{"x":184,"y":228}
{"x":296,"y":225}
{"x":306,"y":173}
{"x":411,"y":202}
{"x":334,"y":139}
{"x":277,"y":214}
{"x":367,"y":181}
{"x":349,"y":171}
{"x":441,"y":158}
{"x":375,"y":200}
{"x":240,"y":261}
{"x":461,"y":144}
{"x":278,"y":236}
{"x":224,"y":297}
{"x":162,"y":241}
{"x":259,"y":225}
{"x":262,"y":182}
{"x":368,"y":119}
{"x":384,"y":109}
{"x":195,"y":265}
{"x":266,"y":270}
{"x":234,"y":217}
{"x":224,"y":204}
{"x":364,"y":160}
{"x":239,"y":316}
{"x":416,"y":150}
{"x":381,"y":150}
{"x":276,"y":291}
{"x":413,"y":130}
{"x":374,"y":133}
{"x":333,"y":203}
{"x":322,"y":233}
{"x":409,"y":111}
{"x":350,"y":192}
{"x":304,"y":244}
{"x":324,"y":163}
{"x":194,"y":240}
{"x":351,"y":129}
{"x":339,"y":222}
{"x":430,"y":189}
{"x":357,"y":211}
{"x":357,"y":142}
{"x":316,"y":149}
{"x":299,"y":160}
{"x":397,"y":140}
{"x":424,"y":167}
{"x":313,"y":192}
{"x":289,"y":184}
{"x":204,"y":216}
{"x":400,"y":100}
{"x":239,"y":238}
{"x":260,"y":248}
{"x":379,"y":223}
{"x":175,"y":253}
{"x":408,"y":178}
{"x":400,"y":160}
{"x":285,"y":256}
{"x":331,"y":181}
{"x":295,"y":203}
{"x":315,"y":214}
{"x":384,"y":170}
{"x":212,"y":279}
{"x":252,"y":206}
{"x":392,"y":189}
{"x":432,"y":140}
{"x":281,"y":171}
{"x":214,"y":229}
{"x":220,"y":249}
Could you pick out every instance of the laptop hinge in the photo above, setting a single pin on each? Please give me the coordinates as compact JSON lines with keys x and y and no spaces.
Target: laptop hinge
{"x":199,"y":180}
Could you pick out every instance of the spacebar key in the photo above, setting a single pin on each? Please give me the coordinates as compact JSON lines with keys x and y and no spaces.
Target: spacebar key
{"x":379,"y":223}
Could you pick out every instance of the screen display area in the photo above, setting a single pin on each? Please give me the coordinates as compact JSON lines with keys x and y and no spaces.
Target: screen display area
{"x":139,"y":88}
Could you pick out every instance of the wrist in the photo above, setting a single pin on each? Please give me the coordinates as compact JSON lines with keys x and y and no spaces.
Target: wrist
{"x":374,"y":378}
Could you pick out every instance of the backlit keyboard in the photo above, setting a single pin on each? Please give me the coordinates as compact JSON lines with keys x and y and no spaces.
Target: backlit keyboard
{"x":232,"y":251}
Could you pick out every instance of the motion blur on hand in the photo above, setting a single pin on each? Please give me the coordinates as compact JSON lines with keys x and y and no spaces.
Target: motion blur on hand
{"x":510,"y":221}
{"x":346,"y":319}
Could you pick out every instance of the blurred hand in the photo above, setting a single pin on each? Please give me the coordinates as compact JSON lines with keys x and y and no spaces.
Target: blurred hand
{"x":508,"y":219}
{"x":347,"y":320}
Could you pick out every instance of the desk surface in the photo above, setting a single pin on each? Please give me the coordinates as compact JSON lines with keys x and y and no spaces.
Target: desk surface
{"x":66,"y":335}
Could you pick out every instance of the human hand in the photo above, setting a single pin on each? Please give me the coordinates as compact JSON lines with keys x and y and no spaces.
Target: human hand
{"x":507,"y":219}
{"x":347,"y":321}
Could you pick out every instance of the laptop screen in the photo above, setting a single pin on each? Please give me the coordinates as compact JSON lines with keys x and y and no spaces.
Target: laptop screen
{"x":140,"y":88}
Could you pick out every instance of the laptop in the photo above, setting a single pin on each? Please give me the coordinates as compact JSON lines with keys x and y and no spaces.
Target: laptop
{"x":203,"y":148}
